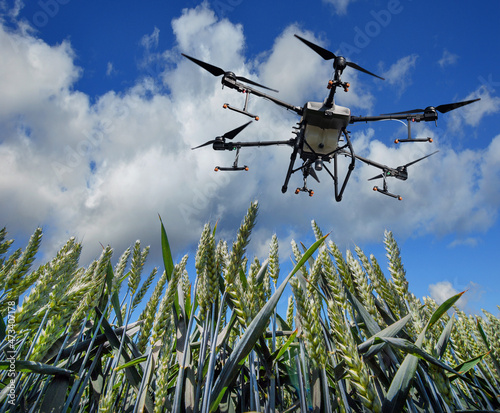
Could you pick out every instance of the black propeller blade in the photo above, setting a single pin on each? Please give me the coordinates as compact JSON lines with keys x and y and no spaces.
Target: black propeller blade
{"x":217,"y":71}
{"x":327,"y":55}
{"x":228,"y":135}
{"x":376,"y":177}
{"x":205,"y":144}
{"x":402,"y":168}
{"x":441,"y":108}
{"x":231,"y":134}
{"x":418,"y":160}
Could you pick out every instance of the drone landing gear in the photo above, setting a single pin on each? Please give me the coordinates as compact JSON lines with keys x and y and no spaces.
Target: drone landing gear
{"x":385,"y":191}
{"x":414,"y":140}
{"x":243,"y":111}
{"x":231,"y":168}
{"x":310,"y":166}
{"x":306,"y":170}
{"x":235,"y":166}
{"x":305,"y":189}
{"x":410,"y":139}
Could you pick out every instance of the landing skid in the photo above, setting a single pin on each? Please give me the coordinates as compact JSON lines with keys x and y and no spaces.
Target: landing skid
{"x":386,"y":192}
{"x":231,"y":168}
{"x":414,"y":140}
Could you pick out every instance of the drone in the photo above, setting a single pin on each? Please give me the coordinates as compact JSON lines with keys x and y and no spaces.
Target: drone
{"x":321,"y":135}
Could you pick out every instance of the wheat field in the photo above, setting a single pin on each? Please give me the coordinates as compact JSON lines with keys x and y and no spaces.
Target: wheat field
{"x":353,"y":339}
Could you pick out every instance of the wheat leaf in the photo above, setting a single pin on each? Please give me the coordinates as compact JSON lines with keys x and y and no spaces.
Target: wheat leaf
{"x":252,"y":334}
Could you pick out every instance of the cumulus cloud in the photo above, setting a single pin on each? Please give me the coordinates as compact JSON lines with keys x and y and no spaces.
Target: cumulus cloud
{"x":443,"y":290}
{"x":104,"y":170}
{"x":471,"y":115}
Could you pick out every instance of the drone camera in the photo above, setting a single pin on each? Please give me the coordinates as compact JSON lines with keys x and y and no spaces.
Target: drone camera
{"x":318,"y":164}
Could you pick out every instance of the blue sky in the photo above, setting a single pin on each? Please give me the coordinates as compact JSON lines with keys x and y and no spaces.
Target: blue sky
{"x":99,"y":110}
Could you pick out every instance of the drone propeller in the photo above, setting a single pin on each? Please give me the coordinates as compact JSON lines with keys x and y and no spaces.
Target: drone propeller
{"x":327,"y":55}
{"x":376,"y":177}
{"x":417,"y":160}
{"x":441,"y":108}
{"x":400,"y":169}
{"x":217,"y":71}
{"x":228,"y":135}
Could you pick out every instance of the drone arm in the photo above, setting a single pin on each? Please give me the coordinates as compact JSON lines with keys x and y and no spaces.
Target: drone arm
{"x":234,"y":84}
{"x":369,"y":162}
{"x":355,"y":119}
{"x":410,"y":117}
{"x":234,"y":145}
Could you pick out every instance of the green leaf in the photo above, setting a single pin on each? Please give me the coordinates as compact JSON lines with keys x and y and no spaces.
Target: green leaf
{"x":262,"y":272}
{"x":278,"y":353}
{"x":444,"y":338}
{"x":55,"y":394}
{"x":466,"y":366}
{"x":410,"y":348}
{"x":131,"y":363}
{"x":371,"y":325}
{"x":115,"y":302}
{"x":168,"y":262}
{"x":370,"y":347}
{"x":252,"y":334}
{"x":3,"y":329}
{"x":400,"y":385}
{"x":131,"y":372}
{"x":443,"y":308}
{"x":27,"y":366}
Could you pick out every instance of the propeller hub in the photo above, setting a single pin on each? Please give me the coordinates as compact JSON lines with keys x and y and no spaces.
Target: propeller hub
{"x":340,"y":63}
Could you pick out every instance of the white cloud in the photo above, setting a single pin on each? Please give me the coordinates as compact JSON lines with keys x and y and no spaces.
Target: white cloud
{"x":488,"y":105}
{"x":469,"y":242}
{"x":339,"y":5}
{"x":399,"y":73}
{"x":469,"y":302}
{"x":110,"y":69}
{"x":441,"y":291}
{"x":151,"y":41}
{"x":103,"y":171}
{"x":447,"y":59}
{"x":12,"y":11}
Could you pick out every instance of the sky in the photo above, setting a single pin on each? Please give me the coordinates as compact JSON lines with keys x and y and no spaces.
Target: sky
{"x":99,"y":111}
